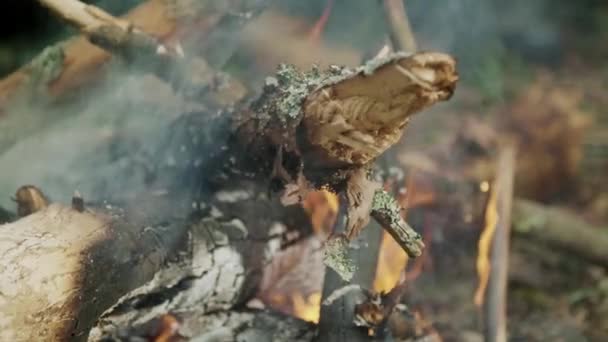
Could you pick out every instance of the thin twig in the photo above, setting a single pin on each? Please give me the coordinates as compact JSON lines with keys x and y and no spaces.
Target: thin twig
{"x":387,"y":211}
{"x":401,"y":34}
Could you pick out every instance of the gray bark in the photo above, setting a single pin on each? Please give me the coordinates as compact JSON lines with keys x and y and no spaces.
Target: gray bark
{"x":337,"y":318}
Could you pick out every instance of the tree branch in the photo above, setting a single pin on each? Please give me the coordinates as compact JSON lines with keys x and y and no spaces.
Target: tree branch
{"x":495,"y":304}
{"x":115,"y":35}
{"x":387,"y":212}
{"x":401,"y":34}
{"x":81,"y":59}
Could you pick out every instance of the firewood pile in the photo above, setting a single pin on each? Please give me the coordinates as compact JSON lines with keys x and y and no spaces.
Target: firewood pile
{"x":219,"y":171}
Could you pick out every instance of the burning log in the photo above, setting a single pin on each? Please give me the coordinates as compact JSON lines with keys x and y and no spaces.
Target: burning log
{"x":185,"y":276}
{"x":251,"y":325}
{"x":63,"y":268}
{"x":328,"y":123}
{"x":332,"y":125}
{"x":306,"y":130}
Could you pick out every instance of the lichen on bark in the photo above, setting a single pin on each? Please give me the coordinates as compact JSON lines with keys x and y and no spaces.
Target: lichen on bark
{"x":336,"y":257}
{"x":45,"y":68}
{"x":387,"y":211}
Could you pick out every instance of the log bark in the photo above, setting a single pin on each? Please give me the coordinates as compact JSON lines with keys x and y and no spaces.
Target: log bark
{"x":60,"y":269}
{"x":337,"y":319}
{"x":561,"y":229}
{"x":234,"y":325}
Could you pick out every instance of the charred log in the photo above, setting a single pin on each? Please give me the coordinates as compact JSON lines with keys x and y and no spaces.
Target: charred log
{"x":234,"y":325}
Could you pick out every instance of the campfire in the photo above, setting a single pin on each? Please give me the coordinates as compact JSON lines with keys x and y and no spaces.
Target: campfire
{"x":272,"y":171}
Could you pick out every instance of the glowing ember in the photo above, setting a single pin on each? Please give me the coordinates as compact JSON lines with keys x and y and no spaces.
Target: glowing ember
{"x":307,"y":309}
{"x":485,"y":242}
{"x":168,"y":329}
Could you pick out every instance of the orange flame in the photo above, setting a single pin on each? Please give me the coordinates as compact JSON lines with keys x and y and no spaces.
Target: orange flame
{"x":168,"y":329}
{"x":315,"y":33}
{"x":484,"y":245}
{"x":391,"y":262}
{"x":307,"y":309}
{"x":322,"y":207}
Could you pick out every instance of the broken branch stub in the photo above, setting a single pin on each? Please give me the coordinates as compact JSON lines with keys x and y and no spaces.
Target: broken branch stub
{"x":356,"y":116}
{"x":333,"y":124}
{"x":387,"y":212}
{"x":344,"y":117}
